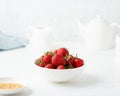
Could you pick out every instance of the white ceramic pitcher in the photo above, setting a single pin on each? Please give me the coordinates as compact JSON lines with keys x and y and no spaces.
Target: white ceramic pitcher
{"x":98,"y":34}
{"x":40,"y":38}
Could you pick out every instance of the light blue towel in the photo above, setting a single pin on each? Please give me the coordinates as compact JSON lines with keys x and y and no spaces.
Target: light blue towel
{"x":10,"y":41}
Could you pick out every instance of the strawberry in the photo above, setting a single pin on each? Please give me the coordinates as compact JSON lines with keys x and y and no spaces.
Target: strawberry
{"x":61,"y":67}
{"x":78,"y":62}
{"x":41,"y":65}
{"x":47,"y":58}
{"x":62,"y":51}
{"x":58,"y":59}
{"x":50,"y":66}
{"x":70,"y":59}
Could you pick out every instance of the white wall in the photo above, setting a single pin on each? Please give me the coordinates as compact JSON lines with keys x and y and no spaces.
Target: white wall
{"x":17,"y":15}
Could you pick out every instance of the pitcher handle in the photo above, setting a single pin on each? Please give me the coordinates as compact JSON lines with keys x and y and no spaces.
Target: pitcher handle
{"x":116,"y":28}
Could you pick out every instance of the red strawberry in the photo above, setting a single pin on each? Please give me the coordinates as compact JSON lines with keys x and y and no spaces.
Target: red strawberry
{"x":78,"y":62}
{"x":47,"y":59}
{"x":62,"y":51}
{"x":50,"y":66}
{"x":41,"y":65}
{"x":58,"y":59}
{"x":70,"y":59}
{"x":61,"y":67}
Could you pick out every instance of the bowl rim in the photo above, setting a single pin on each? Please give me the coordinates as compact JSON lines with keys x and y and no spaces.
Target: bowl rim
{"x":81,"y":67}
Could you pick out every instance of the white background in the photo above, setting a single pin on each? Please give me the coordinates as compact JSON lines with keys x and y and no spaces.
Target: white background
{"x":18,"y":15}
{"x":101,"y":76}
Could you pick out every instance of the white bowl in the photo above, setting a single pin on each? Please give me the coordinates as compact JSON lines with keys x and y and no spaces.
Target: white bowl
{"x":11,"y":80}
{"x":56,"y":75}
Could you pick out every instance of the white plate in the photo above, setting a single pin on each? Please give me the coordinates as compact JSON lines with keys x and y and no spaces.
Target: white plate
{"x":12,"y":80}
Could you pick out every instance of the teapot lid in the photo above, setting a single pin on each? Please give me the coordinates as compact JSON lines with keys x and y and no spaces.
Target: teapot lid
{"x":98,"y":21}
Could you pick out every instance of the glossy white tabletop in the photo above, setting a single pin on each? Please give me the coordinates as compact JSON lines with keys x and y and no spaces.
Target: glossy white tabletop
{"x":101,"y":76}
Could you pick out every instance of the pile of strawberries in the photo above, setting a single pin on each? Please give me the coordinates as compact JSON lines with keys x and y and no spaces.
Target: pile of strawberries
{"x":59,"y":59}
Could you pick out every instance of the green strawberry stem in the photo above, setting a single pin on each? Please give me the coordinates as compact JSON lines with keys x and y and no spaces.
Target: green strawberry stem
{"x":68,"y":66}
{"x":46,"y":52}
{"x":76,"y":56}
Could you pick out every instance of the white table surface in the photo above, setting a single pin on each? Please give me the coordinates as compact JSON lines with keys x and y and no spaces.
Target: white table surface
{"x":101,"y":76}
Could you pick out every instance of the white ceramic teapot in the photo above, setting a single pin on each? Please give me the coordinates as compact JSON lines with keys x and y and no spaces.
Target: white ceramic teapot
{"x":98,"y":33}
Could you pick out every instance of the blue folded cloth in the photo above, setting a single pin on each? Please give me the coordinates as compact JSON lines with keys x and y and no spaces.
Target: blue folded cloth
{"x":10,"y":41}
